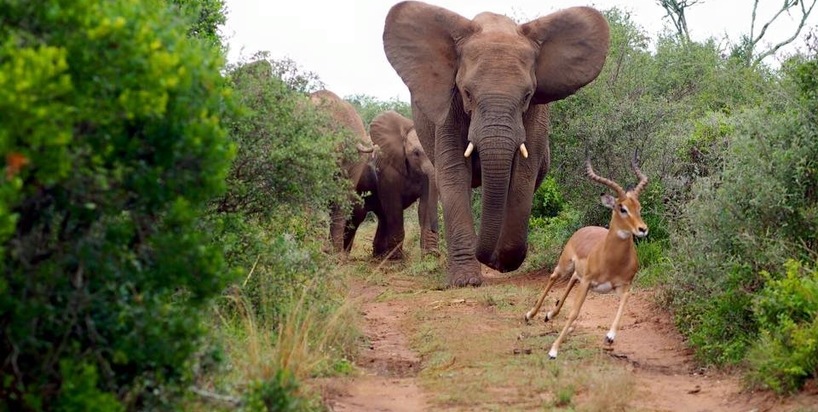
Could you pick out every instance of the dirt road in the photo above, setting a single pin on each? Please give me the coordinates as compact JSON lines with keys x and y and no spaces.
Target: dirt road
{"x":469,"y":349}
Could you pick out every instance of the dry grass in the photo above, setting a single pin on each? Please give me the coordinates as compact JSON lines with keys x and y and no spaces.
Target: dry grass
{"x":303,"y":342}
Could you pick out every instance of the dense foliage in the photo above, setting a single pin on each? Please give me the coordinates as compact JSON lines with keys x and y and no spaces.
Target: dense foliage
{"x":281,"y":148}
{"x":731,"y":153}
{"x":276,"y":320}
{"x":758,"y":211}
{"x":109,"y":125}
{"x":786,"y":354}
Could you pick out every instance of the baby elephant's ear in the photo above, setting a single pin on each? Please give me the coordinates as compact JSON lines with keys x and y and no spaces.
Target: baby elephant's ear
{"x":573,"y":47}
{"x":419,"y":40}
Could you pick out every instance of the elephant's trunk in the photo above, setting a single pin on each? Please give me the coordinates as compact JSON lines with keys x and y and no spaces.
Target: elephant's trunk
{"x":496,"y":159}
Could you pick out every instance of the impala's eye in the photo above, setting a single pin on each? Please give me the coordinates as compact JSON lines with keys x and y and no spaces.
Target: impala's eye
{"x":623,"y":210}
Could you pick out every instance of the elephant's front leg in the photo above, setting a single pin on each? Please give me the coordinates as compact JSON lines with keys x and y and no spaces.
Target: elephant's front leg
{"x":358,"y":216}
{"x":427,"y":215}
{"x":388,"y":241}
{"x":336,"y":228}
{"x":453,"y":172}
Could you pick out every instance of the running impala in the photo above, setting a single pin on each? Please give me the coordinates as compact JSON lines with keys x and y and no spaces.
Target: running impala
{"x":599,"y":259}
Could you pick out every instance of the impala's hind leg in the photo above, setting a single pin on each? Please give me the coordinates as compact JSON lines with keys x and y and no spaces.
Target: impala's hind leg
{"x":579,"y":299}
{"x":556,"y":311}
{"x":559,"y":271}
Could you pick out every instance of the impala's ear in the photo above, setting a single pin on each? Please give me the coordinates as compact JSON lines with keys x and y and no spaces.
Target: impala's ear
{"x":573,"y":47}
{"x":420,"y":42}
{"x":607,"y":200}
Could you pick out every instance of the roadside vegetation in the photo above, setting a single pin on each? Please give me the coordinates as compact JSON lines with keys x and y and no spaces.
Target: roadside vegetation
{"x":163,"y":215}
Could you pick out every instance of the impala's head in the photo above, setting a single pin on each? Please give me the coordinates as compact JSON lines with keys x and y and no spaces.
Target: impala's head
{"x":626,"y":218}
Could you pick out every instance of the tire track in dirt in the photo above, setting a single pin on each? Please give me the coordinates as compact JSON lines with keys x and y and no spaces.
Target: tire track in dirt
{"x":388,"y":383}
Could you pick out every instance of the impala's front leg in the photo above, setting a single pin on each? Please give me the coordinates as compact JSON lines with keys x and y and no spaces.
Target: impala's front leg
{"x":624,"y":292}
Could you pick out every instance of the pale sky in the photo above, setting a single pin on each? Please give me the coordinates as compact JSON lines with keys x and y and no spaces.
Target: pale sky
{"x":341,"y":40}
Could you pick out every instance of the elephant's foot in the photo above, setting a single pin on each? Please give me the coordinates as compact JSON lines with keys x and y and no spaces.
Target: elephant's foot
{"x":428,"y":243}
{"x":465,"y":275}
{"x":393,"y":255}
{"x":396,"y":255}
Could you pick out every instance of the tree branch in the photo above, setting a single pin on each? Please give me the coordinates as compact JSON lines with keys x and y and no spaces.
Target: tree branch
{"x":805,"y":12}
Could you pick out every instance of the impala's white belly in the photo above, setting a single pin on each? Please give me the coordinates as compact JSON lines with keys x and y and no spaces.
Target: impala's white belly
{"x":603,"y":287}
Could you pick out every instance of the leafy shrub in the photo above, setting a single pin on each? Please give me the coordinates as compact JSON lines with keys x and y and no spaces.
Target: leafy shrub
{"x":548,"y":200}
{"x":274,"y":395}
{"x":759,"y":210}
{"x":548,"y":235}
{"x":721,"y":327}
{"x":113,"y":116}
{"x":207,"y":15}
{"x":285,"y":156}
{"x":282,"y":320}
{"x":786,"y":310}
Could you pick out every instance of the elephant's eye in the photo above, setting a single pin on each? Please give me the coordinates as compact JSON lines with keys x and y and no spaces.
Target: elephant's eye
{"x":468,"y":94}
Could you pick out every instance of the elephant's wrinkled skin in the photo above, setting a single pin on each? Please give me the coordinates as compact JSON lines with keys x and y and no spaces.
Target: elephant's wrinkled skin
{"x":487,"y":82}
{"x":389,"y":178}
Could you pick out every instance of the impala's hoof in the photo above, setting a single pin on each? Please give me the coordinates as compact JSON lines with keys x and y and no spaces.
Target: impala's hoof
{"x":609,"y":339}
{"x":552,"y":354}
{"x":527,"y":318}
{"x":548,"y":316}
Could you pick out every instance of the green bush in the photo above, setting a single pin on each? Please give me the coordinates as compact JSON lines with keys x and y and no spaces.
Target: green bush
{"x":721,"y":327}
{"x":548,"y":200}
{"x":284,"y":310}
{"x":117,"y":112}
{"x":547,"y":236}
{"x":285,"y":156}
{"x":759,"y":209}
{"x":786,"y":355}
{"x":274,"y":395}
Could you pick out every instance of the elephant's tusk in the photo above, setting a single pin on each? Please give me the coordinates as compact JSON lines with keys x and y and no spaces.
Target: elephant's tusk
{"x":469,"y":149}
{"x":523,"y":150}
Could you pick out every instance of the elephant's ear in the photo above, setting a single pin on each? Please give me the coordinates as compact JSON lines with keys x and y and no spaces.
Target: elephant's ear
{"x":389,"y":130}
{"x":573,"y":47}
{"x":420,"y":42}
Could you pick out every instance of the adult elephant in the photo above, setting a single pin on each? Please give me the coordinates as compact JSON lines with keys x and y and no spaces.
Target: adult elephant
{"x":480,"y":91}
{"x":343,"y":118}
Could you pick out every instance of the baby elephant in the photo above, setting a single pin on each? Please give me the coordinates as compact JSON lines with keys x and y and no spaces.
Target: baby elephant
{"x":402,"y":174}
{"x":600,"y":259}
{"x":389,"y":176}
